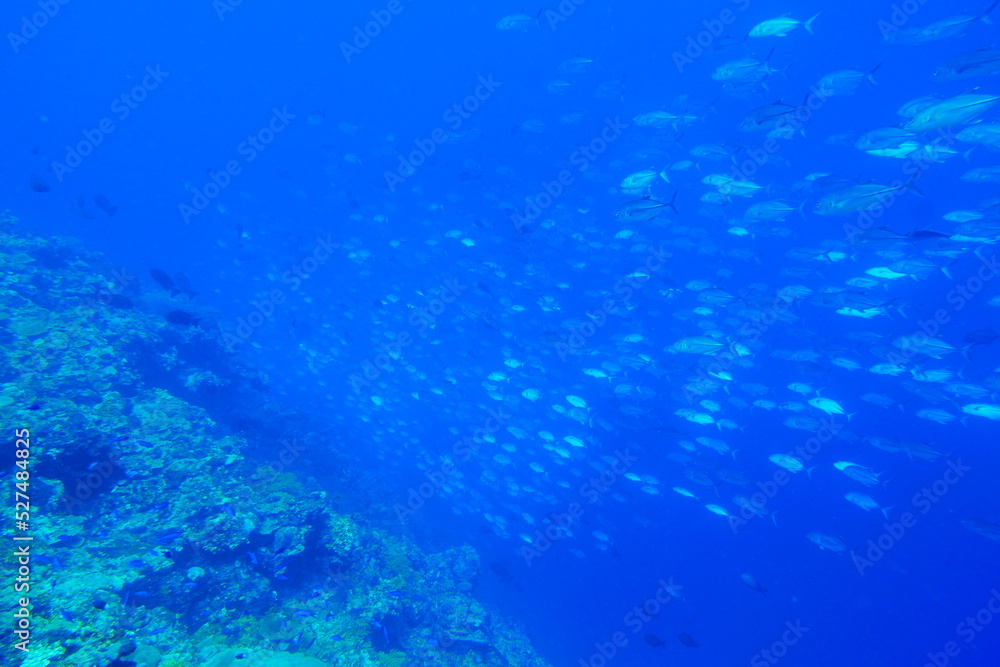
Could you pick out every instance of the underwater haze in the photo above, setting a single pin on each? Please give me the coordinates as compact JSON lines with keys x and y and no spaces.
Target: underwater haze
{"x":402,"y":333}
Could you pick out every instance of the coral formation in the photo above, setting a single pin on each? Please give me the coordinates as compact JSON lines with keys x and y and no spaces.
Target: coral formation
{"x":166,"y":532}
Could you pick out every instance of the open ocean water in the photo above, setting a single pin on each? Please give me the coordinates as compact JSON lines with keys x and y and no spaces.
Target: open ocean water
{"x":448,"y":334}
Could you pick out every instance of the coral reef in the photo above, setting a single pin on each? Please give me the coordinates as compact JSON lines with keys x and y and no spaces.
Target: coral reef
{"x":167,"y":533}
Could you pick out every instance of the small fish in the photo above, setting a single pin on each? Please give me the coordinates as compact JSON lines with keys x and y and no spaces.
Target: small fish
{"x":866,"y":502}
{"x":980,"y":62}
{"x":827,"y":542}
{"x":164,"y":281}
{"x":169,"y":537}
{"x":517,"y":21}
{"x":827,"y":405}
{"x":105,"y":205}
{"x":988,"y":410}
{"x":684,"y":492}
{"x":640,"y":210}
{"x":788,"y":462}
{"x":987,"y":529}
{"x":957,"y":110}
{"x":752,"y":582}
{"x":858,"y":473}
{"x":780,"y":27}
{"x":182,"y":318}
{"x":982,"y":175}
{"x":38,"y":183}
{"x":845,"y":82}
{"x":687,"y":640}
{"x":642,"y":179}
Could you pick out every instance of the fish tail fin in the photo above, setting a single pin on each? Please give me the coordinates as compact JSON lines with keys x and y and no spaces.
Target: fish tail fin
{"x":965,"y":353}
{"x":674,"y":198}
{"x":808,"y":25}
{"x":885,"y":512}
{"x":809,"y":472}
{"x":985,"y":16}
{"x":910,"y":184}
{"x":174,"y":292}
{"x":871,"y":74}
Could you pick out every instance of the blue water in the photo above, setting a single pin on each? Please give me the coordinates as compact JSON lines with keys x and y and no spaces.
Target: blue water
{"x":316,"y":188}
